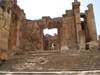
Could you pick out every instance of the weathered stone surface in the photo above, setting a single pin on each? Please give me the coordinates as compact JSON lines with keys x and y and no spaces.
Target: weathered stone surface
{"x":82,"y":39}
{"x":1,"y":11}
{"x":1,"y":23}
{"x":91,"y":23}
{"x":4,"y":44}
{"x":77,"y":13}
{"x":64,"y":48}
{"x":93,"y":45}
{"x":4,"y":33}
{"x":3,"y":55}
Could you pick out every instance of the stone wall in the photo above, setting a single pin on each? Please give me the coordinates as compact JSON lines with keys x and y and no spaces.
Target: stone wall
{"x":68,"y":30}
{"x":5,"y":20}
{"x":16,"y":40}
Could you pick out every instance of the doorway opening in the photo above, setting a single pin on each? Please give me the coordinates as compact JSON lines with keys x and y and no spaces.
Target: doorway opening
{"x":50,"y":38}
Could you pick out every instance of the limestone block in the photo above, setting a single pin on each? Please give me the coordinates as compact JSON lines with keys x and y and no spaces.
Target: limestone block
{"x":4,"y":44}
{"x":93,"y":45}
{"x":64,"y":48}
{"x":1,"y":23}
{"x":6,"y":14}
{"x":3,"y":55}
{"x":7,"y":24}
{"x":36,"y":25}
{"x":1,"y":10}
{"x":82,"y":39}
{"x":4,"y":33}
{"x":13,"y":48}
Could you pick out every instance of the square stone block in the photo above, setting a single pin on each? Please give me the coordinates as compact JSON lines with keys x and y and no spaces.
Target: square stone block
{"x":3,"y":55}
{"x":4,"y":33}
{"x":93,"y":45}
{"x":3,"y":44}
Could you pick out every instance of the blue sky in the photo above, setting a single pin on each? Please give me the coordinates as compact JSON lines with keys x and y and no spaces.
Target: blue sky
{"x":35,"y":9}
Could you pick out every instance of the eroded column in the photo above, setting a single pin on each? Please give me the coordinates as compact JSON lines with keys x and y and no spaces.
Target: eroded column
{"x":77,"y":18}
{"x":91,"y":23}
{"x":82,"y":39}
{"x":41,"y":38}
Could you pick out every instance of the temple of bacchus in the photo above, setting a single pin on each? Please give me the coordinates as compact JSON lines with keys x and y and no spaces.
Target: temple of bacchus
{"x":17,"y":34}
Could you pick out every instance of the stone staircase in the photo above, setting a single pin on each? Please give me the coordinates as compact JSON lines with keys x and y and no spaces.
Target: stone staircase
{"x":60,"y":62}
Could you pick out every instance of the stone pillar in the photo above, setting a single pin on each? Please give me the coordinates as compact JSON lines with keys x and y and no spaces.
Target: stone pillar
{"x":77,"y":18}
{"x":41,"y":38}
{"x":18,"y":37}
{"x":59,"y":37}
{"x":91,"y":23}
{"x":19,"y":41}
{"x":82,"y":39}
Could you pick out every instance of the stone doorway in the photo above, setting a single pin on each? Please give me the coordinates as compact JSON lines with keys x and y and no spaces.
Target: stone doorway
{"x":49,"y":38}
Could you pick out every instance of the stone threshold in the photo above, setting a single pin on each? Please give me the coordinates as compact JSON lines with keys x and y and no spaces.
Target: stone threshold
{"x":60,"y":72}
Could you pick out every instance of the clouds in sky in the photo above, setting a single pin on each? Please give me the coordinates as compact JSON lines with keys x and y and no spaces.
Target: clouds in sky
{"x":35,"y":9}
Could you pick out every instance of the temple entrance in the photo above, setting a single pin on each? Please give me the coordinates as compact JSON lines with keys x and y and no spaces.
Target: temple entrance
{"x":50,"y":39}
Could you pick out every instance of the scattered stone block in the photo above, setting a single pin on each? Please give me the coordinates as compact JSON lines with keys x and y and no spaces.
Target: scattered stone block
{"x":64,"y":48}
{"x":93,"y":45}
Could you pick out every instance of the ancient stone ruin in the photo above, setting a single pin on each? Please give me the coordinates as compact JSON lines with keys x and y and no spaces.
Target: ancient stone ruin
{"x":17,"y":34}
